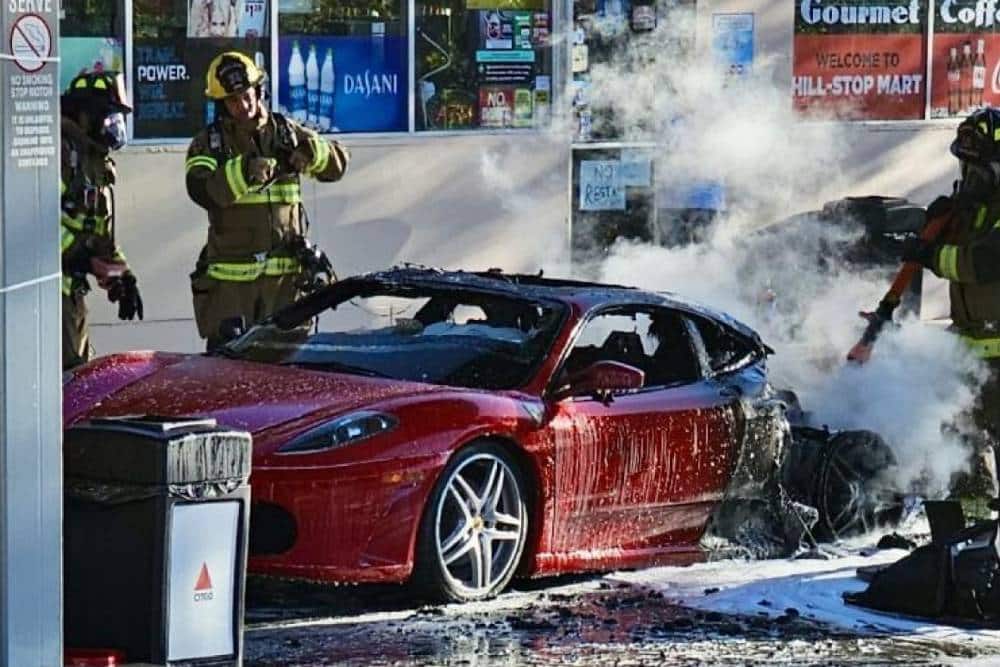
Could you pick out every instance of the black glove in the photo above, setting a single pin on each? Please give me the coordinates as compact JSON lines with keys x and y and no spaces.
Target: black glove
{"x":124,"y":291}
{"x":300,"y":158}
{"x":920,"y":251}
{"x":943,"y":205}
{"x":315,"y":264}
{"x":259,"y":170}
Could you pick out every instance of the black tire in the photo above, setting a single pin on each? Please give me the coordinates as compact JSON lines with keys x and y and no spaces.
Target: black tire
{"x":853,"y":492}
{"x":461,"y":579}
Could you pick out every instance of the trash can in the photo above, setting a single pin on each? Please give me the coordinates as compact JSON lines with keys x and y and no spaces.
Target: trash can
{"x":155,"y":539}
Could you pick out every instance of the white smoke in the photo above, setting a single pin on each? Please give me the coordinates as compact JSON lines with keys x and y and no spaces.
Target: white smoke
{"x":915,"y":389}
{"x":745,"y":135}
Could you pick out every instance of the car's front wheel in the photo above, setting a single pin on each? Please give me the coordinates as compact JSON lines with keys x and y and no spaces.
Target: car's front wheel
{"x":474,"y":526}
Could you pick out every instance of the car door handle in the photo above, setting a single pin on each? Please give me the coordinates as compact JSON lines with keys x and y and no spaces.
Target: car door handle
{"x":729,"y":392}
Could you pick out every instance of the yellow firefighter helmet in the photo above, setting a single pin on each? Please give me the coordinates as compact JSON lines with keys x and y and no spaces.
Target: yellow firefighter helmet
{"x":231,"y":73}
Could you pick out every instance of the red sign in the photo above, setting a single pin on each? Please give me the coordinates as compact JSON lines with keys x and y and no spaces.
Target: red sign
{"x":496,"y":106}
{"x":860,"y":76}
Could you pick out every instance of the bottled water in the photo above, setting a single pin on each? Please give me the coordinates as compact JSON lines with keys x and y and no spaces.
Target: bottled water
{"x":327,"y":88}
{"x":312,"y":86}
{"x":297,"y":85}
{"x":378,"y":45}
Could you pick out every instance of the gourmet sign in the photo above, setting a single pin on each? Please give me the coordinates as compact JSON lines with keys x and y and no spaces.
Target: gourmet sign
{"x":860,"y":60}
{"x":815,"y":12}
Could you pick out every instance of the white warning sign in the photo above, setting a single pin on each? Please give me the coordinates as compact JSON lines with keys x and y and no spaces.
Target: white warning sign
{"x":32,"y":120}
{"x":30,"y":42}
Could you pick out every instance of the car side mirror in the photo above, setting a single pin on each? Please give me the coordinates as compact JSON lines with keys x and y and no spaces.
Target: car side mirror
{"x":232,"y":327}
{"x":601,"y":378}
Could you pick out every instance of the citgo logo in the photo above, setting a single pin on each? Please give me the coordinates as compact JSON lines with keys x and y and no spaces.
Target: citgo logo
{"x":203,"y":587}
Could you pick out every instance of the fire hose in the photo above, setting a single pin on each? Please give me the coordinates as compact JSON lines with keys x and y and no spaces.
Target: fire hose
{"x":862,"y":350}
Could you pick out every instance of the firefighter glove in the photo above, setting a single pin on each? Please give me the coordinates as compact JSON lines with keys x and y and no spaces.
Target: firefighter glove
{"x":943,"y":205}
{"x":259,"y":170}
{"x":124,"y":291}
{"x":920,"y":251}
{"x":300,"y":158}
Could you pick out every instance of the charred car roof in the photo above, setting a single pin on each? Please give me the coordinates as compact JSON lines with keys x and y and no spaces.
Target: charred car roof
{"x":585,"y":295}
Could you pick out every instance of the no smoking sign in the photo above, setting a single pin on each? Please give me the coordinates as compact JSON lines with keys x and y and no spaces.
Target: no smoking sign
{"x":30,"y":42}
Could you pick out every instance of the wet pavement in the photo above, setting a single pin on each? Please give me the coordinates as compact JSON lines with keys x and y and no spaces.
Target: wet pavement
{"x":572,"y":621}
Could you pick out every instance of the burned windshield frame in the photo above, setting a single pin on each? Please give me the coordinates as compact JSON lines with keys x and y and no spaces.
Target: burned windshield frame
{"x":295,"y":320}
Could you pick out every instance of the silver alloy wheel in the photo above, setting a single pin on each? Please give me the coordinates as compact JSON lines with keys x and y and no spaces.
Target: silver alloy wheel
{"x":479,"y":524}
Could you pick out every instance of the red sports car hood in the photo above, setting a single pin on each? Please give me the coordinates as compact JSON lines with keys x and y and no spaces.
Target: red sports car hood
{"x":246,"y":395}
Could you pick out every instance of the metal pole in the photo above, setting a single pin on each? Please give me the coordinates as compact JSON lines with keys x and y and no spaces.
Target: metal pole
{"x":30,"y":330}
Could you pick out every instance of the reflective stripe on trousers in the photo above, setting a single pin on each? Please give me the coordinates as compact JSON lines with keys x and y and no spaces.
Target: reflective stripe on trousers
{"x":250,"y":271}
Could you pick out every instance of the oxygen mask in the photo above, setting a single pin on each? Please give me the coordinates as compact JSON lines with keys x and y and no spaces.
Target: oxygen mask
{"x":113,"y":133}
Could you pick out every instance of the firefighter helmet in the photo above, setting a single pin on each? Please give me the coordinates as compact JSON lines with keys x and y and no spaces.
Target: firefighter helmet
{"x":978,"y":136}
{"x":231,"y":73}
{"x":98,"y":90}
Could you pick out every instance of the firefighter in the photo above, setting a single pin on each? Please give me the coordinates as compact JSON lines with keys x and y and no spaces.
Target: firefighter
{"x":93,"y":125}
{"x":244,"y":169}
{"x":968,"y":256}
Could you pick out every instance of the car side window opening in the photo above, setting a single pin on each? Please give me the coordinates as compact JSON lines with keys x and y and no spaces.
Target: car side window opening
{"x":655,"y":341}
{"x":726,"y":350}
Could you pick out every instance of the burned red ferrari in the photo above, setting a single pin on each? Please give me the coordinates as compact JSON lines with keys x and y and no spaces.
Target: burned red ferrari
{"x":458,"y":428}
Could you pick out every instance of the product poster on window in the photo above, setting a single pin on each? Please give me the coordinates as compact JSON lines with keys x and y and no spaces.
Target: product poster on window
{"x":226,"y":18}
{"x":344,"y":83}
{"x":732,"y":43}
{"x":860,"y":60}
{"x":168,"y":82}
{"x":965,"y":65}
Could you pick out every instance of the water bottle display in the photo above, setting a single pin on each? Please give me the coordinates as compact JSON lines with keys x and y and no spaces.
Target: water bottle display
{"x":297,"y":85}
{"x":327,"y":88}
{"x":312,"y":87}
{"x":378,"y":44}
{"x":346,"y":83}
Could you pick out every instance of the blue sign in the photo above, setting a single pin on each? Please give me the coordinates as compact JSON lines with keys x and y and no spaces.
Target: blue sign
{"x":344,"y":84}
{"x":732,"y":43}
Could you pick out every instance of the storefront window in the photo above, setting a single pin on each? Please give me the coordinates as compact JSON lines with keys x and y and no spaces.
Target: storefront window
{"x":91,"y":37}
{"x":628,"y":38}
{"x":174,"y":42}
{"x":482,"y":67}
{"x":343,"y":64}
